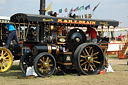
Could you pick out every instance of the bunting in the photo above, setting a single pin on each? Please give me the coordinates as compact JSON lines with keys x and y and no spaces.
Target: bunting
{"x":81,"y":8}
{"x":76,"y":9}
{"x":71,"y":10}
{"x":60,"y":10}
{"x":66,"y":10}
{"x":87,"y":7}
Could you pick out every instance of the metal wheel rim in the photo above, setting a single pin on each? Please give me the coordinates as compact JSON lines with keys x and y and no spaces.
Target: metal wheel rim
{"x":90,"y":60}
{"x":5,"y":59}
{"x":45,"y":65}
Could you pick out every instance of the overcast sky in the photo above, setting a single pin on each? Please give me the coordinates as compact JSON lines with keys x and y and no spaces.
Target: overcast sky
{"x":107,"y":9}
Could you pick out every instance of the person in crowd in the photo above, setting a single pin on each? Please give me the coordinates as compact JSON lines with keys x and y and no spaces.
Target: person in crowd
{"x":11,"y":34}
{"x":92,"y":33}
{"x":59,"y":29}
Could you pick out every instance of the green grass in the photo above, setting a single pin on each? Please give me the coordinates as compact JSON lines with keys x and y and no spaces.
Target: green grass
{"x":119,"y":76}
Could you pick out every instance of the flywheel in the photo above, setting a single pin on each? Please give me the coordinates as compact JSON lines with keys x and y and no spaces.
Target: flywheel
{"x":75,"y":37}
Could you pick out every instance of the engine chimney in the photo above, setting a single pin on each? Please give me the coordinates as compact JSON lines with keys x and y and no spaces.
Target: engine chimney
{"x":42,"y":7}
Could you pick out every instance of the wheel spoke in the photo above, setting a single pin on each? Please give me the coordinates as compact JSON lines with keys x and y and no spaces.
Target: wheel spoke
{"x":49,"y":68}
{"x":92,"y":53}
{"x":47,"y":59}
{"x":46,"y":70}
{"x":5,"y":62}
{"x":2,"y":54}
{"x":85,"y":67}
{"x":97,"y":62}
{"x":95,"y":58}
{"x":39,"y":64}
{"x":50,"y":65}
{"x":83,"y":56}
{"x":88,"y":67}
{"x":90,"y":49}
{"x":84,"y":63}
{"x":41,"y":68}
{"x":41,"y":61}
{"x":91,"y":67}
{"x":81,"y":60}
{"x":6,"y":57}
{"x":4,"y":65}
{"x":95,"y":54}
{"x":86,"y":51}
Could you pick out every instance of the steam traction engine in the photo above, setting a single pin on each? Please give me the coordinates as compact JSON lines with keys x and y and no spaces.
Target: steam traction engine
{"x":50,"y":51}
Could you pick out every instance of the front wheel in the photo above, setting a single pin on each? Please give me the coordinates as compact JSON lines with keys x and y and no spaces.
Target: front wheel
{"x":6,"y":59}
{"x":44,"y":64}
{"x":88,"y":58}
{"x":26,"y":61}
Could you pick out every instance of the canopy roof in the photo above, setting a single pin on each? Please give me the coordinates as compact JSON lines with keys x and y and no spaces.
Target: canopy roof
{"x":25,"y":18}
{"x":4,"y":19}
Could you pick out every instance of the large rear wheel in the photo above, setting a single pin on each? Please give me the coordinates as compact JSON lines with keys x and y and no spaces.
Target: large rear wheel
{"x":6,"y":59}
{"x":88,"y":59}
{"x":44,"y":64}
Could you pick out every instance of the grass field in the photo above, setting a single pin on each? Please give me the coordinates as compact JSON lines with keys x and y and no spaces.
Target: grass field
{"x":118,"y":77}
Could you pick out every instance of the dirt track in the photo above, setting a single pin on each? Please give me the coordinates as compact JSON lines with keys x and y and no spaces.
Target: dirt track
{"x":119,"y":77}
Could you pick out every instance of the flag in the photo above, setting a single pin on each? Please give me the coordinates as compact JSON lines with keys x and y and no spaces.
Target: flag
{"x":87,"y":7}
{"x":49,"y":8}
{"x":60,"y":10}
{"x":71,"y":10}
{"x":96,"y":7}
{"x":77,"y":8}
{"x":66,"y":10}
{"x":81,"y":8}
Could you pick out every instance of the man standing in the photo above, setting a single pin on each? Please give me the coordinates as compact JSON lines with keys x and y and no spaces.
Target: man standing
{"x":11,"y":34}
{"x":92,"y":33}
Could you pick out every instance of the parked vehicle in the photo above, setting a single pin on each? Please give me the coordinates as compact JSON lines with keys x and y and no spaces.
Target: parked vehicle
{"x":14,"y":52}
{"x":71,"y":50}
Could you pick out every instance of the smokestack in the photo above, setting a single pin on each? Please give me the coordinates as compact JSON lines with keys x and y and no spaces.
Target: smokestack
{"x":42,"y":7}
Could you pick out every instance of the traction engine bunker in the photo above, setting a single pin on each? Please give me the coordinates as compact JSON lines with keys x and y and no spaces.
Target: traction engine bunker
{"x":68,"y":49}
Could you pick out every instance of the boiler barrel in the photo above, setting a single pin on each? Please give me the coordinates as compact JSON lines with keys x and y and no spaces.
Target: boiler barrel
{"x":52,"y":49}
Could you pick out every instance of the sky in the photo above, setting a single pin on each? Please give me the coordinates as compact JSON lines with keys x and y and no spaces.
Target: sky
{"x":107,"y":9}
